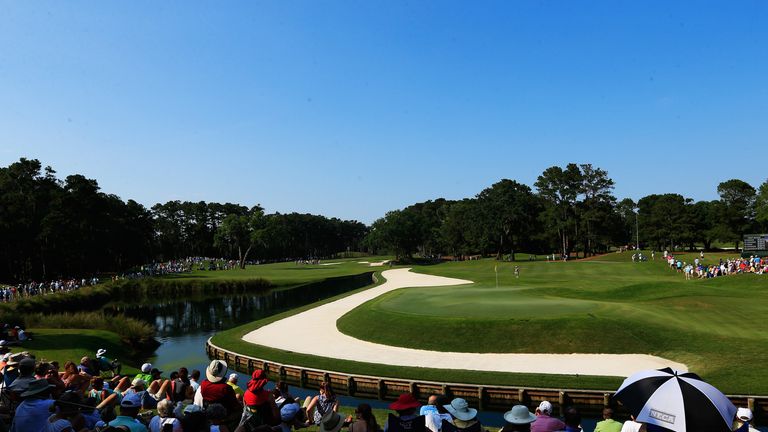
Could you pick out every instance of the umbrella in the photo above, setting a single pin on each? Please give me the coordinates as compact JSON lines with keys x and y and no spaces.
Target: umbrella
{"x":677,"y":401}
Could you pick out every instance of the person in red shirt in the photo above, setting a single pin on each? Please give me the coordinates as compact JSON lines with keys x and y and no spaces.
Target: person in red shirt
{"x":216,"y":390}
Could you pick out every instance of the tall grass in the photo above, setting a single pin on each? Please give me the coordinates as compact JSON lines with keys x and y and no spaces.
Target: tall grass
{"x":83,"y":309}
{"x":135,"y":333}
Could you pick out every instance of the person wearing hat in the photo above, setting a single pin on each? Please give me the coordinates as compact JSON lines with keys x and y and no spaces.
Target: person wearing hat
{"x":214,"y":389}
{"x":10,"y":372}
{"x":129,"y":410}
{"x":193,"y":419}
{"x":518,"y":419}
{"x":106,"y":364}
{"x":260,"y":408}
{"x":608,"y":424}
{"x":232,"y":382}
{"x":407,"y":418}
{"x":32,"y":412}
{"x":26,"y":376}
{"x":743,"y":419}
{"x":464,"y":417}
{"x":67,"y":413}
{"x":331,"y":422}
{"x":544,"y":420}
{"x":145,"y":374}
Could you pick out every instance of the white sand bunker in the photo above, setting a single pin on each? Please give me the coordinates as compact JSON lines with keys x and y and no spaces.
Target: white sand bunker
{"x":379,"y":264}
{"x":327,"y":264}
{"x":325,"y":340}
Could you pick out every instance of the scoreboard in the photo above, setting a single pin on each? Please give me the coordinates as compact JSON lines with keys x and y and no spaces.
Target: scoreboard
{"x":755,"y":244}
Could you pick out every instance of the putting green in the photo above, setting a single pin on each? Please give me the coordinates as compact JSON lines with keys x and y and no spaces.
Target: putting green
{"x":606,"y":305}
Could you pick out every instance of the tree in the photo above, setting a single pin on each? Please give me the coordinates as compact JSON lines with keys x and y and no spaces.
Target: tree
{"x":241,"y":232}
{"x":596,"y":209}
{"x":761,"y":206}
{"x":560,"y":189}
{"x":508,"y":212}
{"x":738,"y":199}
{"x":664,"y":220}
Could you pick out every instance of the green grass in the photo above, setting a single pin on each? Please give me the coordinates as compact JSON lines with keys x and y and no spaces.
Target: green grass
{"x":288,"y":273}
{"x":73,"y":344}
{"x":232,"y":340}
{"x":603,"y":305}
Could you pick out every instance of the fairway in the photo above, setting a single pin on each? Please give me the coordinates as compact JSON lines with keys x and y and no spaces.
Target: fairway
{"x":604,"y":305}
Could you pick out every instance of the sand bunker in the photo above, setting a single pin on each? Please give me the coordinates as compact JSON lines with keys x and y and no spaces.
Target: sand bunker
{"x":314,"y":332}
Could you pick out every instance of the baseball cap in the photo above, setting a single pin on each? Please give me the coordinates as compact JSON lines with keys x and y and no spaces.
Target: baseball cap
{"x":545,"y":407}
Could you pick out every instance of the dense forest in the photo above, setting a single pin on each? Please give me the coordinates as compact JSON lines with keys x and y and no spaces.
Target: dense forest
{"x":571,"y":211}
{"x":52,"y":228}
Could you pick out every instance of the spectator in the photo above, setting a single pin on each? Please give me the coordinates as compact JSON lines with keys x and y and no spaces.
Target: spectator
{"x":572,"y":420}
{"x":743,"y":419}
{"x":364,"y":420}
{"x":407,"y":419}
{"x":129,"y":410}
{"x":215,"y":389}
{"x":518,"y":419}
{"x":194,"y":419}
{"x":164,"y":418}
{"x":323,"y":403}
{"x":32,"y":412}
{"x":435,"y":413}
{"x":67,"y":415}
{"x":217,"y":415}
{"x":464,"y":417}
{"x":544,"y":420}
{"x":194,"y":378}
{"x":26,"y":376}
{"x":608,"y":424}
{"x":632,"y":426}
{"x":232,"y":382}
{"x":260,"y":408}
{"x":331,"y":422}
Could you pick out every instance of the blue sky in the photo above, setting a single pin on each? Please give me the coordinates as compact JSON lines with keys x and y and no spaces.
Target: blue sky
{"x":351,"y":109}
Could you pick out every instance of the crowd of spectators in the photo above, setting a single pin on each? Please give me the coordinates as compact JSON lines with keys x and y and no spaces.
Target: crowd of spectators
{"x":698,"y":269}
{"x":10,"y":293}
{"x":41,"y":396}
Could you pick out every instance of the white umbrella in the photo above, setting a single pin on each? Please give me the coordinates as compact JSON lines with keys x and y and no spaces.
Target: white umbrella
{"x":676,"y":401}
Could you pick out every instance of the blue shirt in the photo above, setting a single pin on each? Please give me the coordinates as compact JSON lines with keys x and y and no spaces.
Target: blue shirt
{"x":131,"y":422}
{"x":31,"y":415}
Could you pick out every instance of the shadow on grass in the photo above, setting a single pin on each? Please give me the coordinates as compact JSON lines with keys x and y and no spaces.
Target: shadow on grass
{"x":65,"y":340}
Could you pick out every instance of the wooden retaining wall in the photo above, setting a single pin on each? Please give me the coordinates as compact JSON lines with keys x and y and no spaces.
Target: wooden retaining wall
{"x":486,"y":397}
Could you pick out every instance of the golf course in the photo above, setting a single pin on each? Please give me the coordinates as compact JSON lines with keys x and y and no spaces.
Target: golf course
{"x":603,"y":305}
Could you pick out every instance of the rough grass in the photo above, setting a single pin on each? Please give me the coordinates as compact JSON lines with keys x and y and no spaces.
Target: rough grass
{"x":605,"y":305}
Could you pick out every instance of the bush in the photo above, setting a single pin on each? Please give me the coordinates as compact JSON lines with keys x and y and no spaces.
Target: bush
{"x":137,"y":334}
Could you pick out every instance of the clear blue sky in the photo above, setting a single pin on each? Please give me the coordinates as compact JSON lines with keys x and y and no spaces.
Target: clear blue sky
{"x":351,"y":109}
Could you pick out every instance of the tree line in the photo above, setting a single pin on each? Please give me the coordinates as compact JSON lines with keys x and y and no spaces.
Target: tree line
{"x":52,"y":228}
{"x":570,"y":211}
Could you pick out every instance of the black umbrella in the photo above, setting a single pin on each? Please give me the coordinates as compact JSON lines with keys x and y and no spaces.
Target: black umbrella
{"x":677,"y":401}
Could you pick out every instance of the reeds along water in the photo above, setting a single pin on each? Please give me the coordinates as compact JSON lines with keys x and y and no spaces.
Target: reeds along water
{"x":93,"y":298}
{"x":137,"y":334}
